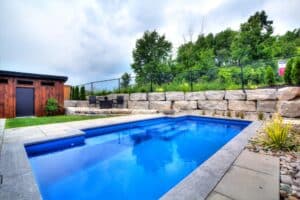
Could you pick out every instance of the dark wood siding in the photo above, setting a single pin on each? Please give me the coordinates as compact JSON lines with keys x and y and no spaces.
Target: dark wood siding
{"x":41,"y":94}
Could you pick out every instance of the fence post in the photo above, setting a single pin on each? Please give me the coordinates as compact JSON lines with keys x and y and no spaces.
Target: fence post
{"x":191,"y":80}
{"x":151,"y":86}
{"x":92,"y":88}
{"x":242,"y":76}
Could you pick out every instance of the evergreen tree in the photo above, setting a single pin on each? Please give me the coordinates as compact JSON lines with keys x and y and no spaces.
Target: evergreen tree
{"x":76,"y":93}
{"x":296,"y":71}
{"x":288,"y":72}
{"x":82,"y":93}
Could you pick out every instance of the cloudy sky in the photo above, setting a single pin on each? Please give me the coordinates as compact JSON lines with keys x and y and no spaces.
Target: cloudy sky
{"x":91,"y":40}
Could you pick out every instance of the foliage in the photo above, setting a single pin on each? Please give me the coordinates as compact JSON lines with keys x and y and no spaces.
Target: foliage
{"x":288,"y":72}
{"x":76,"y":93}
{"x":51,"y":106}
{"x":270,"y":77}
{"x":228,"y":114}
{"x":260,"y":116}
{"x":125,"y":80}
{"x":277,"y":134}
{"x":296,"y":71}
{"x":150,"y":56}
{"x":82,"y":93}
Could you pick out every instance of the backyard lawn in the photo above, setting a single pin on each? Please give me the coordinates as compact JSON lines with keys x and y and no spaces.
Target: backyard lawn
{"x":31,"y":121}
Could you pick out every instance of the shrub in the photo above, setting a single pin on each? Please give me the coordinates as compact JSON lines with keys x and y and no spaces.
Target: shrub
{"x":277,"y":134}
{"x":242,"y":115}
{"x":51,"y":106}
{"x":269,"y":77}
{"x":228,"y":114}
{"x":296,"y":72}
{"x":288,"y":72}
{"x":159,"y":89}
{"x":203,"y":112}
{"x":76,"y":93}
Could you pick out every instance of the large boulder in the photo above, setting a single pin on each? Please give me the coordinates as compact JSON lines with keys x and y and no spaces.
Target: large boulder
{"x":194,"y":96}
{"x":82,"y":103}
{"x":215,"y":95}
{"x":241,"y":105}
{"x":262,"y":94}
{"x":288,"y":93}
{"x":289,"y":108}
{"x":138,"y":97}
{"x":69,"y":103}
{"x":212,"y":105}
{"x":156,"y":96}
{"x":160,"y":105}
{"x":266,"y":106}
{"x":114,"y":96}
{"x":185,"y":105}
{"x":235,"y":95}
{"x":138,"y":105}
{"x":174,"y":96}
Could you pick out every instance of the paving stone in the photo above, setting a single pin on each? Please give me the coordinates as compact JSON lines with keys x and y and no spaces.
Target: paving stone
{"x":258,"y":162}
{"x":217,"y":196}
{"x":244,"y":184}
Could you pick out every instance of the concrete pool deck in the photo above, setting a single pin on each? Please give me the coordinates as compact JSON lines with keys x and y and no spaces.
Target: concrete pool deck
{"x":208,"y":179}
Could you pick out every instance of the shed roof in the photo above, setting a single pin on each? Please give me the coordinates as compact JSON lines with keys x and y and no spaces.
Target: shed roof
{"x":4,"y":73}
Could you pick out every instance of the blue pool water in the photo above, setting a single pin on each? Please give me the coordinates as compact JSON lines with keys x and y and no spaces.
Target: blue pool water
{"x":140,"y":160}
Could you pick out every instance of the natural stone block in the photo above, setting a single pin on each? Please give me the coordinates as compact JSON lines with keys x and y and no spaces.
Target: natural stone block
{"x":174,"y":96}
{"x":114,"y":96}
{"x":251,"y":115}
{"x":192,"y":96}
{"x":160,"y":105}
{"x":82,"y":104}
{"x":261,"y":94}
{"x":241,"y":105}
{"x":288,"y":93}
{"x":157,"y":96}
{"x":138,"y":104}
{"x":185,"y":105}
{"x":289,"y":108}
{"x":215,"y":95}
{"x":69,"y":103}
{"x":266,"y":106}
{"x":212,"y":105}
{"x":235,"y":95}
{"x":138,"y":97}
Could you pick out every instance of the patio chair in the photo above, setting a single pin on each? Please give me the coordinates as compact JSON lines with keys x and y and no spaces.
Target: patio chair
{"x":104,"y":104}
{"x":119,"y":102}
{"x":92,"y":100}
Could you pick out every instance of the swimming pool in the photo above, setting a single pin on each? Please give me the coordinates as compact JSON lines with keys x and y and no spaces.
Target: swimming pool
{"x":136,"y":160}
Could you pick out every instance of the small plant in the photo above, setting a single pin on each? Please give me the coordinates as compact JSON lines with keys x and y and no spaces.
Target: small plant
{"x":214,"y":113}
{"x":51,"y":107}
{"x":228,"y":114}
{"x":242,"y":115}
{"x":159,"y":89}
{"x":260,"y":116}
{"x":296,"y":72}
{"x":203,"y":112}
{"x":277,"y":134}
{"x":237,"y":114}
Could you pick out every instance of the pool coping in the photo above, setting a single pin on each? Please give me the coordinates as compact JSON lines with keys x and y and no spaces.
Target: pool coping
{"x":19,"y":181}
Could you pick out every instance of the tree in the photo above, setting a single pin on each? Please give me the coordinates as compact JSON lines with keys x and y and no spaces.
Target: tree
{"x":296,"y":71}
{"x":288,"y":72}
{"x":76,"y":93}
{"x":82,"y":93}
{"x":151,"y":53}
{"x":125,"y":80}
{"x":186,"y":56}
{"x":253,"y":41}
{"x":223,"y":42}
{"x":269,"y":77}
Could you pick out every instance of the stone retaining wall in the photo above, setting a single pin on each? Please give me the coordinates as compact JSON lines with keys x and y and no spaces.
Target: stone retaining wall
{"x":252,"y":103}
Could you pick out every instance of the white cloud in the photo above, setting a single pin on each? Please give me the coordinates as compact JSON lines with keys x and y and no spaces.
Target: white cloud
{"x":90,"y":40}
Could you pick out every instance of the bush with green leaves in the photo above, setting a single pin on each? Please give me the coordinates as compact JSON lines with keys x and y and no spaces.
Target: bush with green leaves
{"x":296,"y":71}
{"x":76,"y":93}
{"x":269,"y":77}
{"x":288,"y":72}
{"x":52,"y":107}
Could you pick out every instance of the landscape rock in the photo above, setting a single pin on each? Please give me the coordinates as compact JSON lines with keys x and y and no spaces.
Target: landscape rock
{"x":286,"y":179}
{"x":215,"y":95}
{"x":212,"y":105}
{"x":266,"y":106}
{"x":160,"y":105}
{"x":288,"y":93}
{"x":138,"y":105}
{"x":70,"y":103}
{"x":114,"y":96}
{"x":185,"y":105}
{"x":82,"y":103}
{"x":261,"y":94}
{"x":241,"y":105}
{"x":156,"y":96}
{"x":138,"y":96}
{"x":235,"y":95}
{"x":289,"y":108}
{"x":192,"y":96}
{"x":174,"y":96}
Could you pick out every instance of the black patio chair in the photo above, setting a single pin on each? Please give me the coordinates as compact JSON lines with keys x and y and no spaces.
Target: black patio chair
{"x":119,"y":102}
{"x":92,"y":100}
{"x":104,"y":104}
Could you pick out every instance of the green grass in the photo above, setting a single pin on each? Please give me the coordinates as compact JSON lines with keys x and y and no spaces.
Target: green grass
{"x":31,"y":121}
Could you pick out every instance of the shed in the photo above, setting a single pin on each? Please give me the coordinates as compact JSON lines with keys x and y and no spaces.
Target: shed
{"x":26,"y":94}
